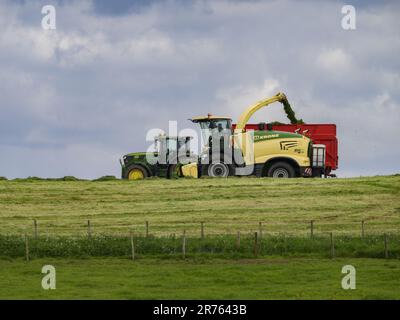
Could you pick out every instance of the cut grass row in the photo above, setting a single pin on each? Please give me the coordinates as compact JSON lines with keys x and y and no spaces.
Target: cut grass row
{"x":226,"y":247}
{"x":225,"y":205}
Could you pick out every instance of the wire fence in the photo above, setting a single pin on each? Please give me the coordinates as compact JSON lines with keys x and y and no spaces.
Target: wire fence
{"x":200,"y":228}
{"x":179,"y":243}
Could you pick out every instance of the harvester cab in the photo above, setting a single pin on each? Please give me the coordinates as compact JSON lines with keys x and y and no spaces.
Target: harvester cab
{"x":212,"y":126}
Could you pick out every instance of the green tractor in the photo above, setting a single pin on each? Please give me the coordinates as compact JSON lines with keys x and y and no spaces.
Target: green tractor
{"x":166,"y":161}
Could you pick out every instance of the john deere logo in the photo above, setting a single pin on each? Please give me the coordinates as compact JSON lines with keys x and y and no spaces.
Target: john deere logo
{"x":286,"y":145}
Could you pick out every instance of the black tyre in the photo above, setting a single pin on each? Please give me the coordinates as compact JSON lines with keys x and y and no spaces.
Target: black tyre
{"x":174,"y":171}
{"x":135,"y":172}
{"x":218,"y":170}
{"x":216,"y":167}
{"x":281,"y":170}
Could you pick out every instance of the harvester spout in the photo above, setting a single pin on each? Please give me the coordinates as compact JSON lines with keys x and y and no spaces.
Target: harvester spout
{"x":280,"y":97}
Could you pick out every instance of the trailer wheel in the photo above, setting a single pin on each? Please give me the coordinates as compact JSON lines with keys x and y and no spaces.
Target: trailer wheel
{"x":136,"y":172}
{"x":281,"y":170}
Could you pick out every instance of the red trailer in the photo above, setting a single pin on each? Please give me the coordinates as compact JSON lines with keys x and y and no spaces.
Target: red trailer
{"x":318,"y":133}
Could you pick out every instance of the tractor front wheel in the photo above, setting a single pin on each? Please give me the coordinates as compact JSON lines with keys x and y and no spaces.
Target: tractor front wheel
{"x":136,"y":172}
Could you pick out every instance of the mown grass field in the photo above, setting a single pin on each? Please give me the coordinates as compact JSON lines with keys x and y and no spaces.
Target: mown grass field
{"x":289,"y":265}
{"x":272,"y":278}
{"x":225,"y":206}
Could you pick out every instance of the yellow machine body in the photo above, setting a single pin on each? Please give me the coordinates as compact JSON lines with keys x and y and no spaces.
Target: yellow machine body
{"x":190,"y":170}
{"x":258,"y":147}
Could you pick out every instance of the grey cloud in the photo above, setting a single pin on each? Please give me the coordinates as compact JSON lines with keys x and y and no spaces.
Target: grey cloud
{"x":76,"y":98}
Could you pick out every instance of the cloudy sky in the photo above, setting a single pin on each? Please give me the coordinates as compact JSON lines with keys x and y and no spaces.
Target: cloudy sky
{"x":74,"y":99}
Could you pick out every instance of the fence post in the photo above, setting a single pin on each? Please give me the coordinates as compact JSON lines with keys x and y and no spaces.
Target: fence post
{"x":184,"y":244}
{"x":202,"y":230}
{"x":26,"y":247}
{"x":35,"y":228}
{"x":285,"y":243}
{"x":147,"y":229}
{"x":260,"y":230}
{"x":362,"y":229}
{"x":238,"y":240}
{"x":332,"y":246}
{"x":132,"y":247}
{"x":89,"y":229}
{"x":386,"y":246}
{"x":255,"y":244}
{"x":312,"y":229}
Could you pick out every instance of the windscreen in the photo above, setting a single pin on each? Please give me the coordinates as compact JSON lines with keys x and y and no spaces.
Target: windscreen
{"x":214,"y":127}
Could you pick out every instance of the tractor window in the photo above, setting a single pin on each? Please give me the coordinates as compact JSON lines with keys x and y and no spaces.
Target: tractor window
{"x":183,"y":144}
{"x":172,"y":145}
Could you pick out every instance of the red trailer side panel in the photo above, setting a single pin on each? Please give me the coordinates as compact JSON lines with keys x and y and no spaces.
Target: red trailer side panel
{"x":318,"y":133}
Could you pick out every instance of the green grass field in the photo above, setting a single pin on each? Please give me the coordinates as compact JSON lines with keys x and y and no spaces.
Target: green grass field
{"x":225,"y":205}
{"x":272,"y":278}
{"x":290,"y":268}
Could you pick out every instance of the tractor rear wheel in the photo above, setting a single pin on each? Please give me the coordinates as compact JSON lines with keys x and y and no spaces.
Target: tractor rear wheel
{"x":174,"y":171}
{"x":281,"y":170}
{"x":136,"y":172}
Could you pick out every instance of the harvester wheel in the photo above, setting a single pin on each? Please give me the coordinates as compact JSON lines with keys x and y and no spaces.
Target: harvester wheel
{"x":281,"y":170}
{"x":218,"y":170}
{"x":136,"y":172}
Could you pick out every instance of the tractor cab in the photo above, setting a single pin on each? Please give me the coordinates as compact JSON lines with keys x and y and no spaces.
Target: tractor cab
{"x":171,"y":148}
{"x":169,"y":154}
